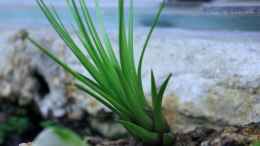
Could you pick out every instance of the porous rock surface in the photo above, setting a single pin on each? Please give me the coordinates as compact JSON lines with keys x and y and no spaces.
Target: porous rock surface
{"x":25,"y":144}
{"x":216,"y":79}
{"x":28,"y":76}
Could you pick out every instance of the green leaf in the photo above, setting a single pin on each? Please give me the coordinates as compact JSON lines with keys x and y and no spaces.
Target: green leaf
{"x":168,"y":139}
{"x":115,"y":82}
{"x":63,"y":65}
{"x":107,"y":43}
{"x":146,"y":44}
{"x":162,"y":88}
{"x":256,"y":143}
{"x":153,"y":87}
{"x":130,"y":50}
{"x":160,"y":124}
{"x":83,"y":34}
{"x":126,"y":58}
{"x":63,"y":33}
{"x":110,"y":102}
{"x":140,"y":116}
{"x":139,"y":132}
{"x":57,"y":136}
{"x":53,"y":57}
{"x":81,"y":78}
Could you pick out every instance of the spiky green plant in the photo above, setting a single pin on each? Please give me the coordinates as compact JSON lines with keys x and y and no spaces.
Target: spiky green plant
{"x":115,"y":81}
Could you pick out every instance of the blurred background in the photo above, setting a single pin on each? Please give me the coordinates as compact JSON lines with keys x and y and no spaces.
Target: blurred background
{"x":179,"y":14}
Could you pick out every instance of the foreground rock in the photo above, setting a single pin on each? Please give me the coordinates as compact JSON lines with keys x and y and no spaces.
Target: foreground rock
{"x":25,"y":144}
{"x":229,"y":136}
{"x":216,"y":79}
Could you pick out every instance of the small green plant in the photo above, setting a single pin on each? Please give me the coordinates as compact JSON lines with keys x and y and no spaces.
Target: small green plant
{"x":13,"y":125}
{"x":58,"y":136}
{"x":257,"y":143}
{"x":115,"y":81}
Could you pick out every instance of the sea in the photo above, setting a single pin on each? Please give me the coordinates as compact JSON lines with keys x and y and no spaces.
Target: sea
{"x":26,"y":13}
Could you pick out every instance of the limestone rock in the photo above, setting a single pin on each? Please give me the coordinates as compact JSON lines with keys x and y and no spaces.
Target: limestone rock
{"x":220,"y":88}
{"x":58,"y":137}
{"x":27,"y":75}
{"x":216,"y":77}
{"x":25,"y":144}
{"x":230,"y":136}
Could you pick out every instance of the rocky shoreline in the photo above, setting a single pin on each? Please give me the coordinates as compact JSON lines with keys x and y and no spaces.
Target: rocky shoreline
{"x":215,"y":8}
{"x":232,"y":10}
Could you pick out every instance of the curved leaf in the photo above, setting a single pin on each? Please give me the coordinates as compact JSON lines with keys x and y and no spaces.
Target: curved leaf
{"x":139,"y":132}
{"x":58,"y":137}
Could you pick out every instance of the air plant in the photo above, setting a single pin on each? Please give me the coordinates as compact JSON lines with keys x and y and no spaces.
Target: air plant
{"x":115,"y":81}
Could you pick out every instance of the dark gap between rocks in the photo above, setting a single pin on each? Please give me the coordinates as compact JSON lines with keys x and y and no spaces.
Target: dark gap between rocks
{"x":19,"y":123}
{"x":43,"y":86}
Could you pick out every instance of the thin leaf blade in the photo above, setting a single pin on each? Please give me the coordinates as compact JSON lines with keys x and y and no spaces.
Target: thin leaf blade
{"x":139,"y":132}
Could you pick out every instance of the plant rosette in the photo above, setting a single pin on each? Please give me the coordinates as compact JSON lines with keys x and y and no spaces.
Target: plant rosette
{"x":114,"y":80}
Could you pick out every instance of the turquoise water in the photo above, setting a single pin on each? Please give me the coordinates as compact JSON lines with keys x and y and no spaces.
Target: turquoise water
{"x":209,"y":22}
{"x":31,"y":17}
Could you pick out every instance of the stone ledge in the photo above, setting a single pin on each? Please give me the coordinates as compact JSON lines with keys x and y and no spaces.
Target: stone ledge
{"x":25,"y":144}
{"x":232,"y":9}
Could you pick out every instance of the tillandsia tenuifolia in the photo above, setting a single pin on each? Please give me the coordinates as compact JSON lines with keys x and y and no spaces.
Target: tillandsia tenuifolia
{"x":115,"y":81}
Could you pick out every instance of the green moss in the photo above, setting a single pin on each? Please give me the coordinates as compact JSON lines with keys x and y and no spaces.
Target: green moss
{"x":13,"y":125}
{"x":256,"y":143}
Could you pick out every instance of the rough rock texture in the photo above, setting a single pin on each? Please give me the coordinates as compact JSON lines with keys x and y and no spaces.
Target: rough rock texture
{"x":216,"y":84}
{"x":28,"y":76}
{"x":201,"y":136}
{"x":246,"y":135}
{"x":216,"y":78}
{"x":230,"y":136}
{"x":18,"y":123}
{"x":25,"y":144}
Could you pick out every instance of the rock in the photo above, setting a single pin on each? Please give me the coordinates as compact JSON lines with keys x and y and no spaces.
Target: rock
{"x":230,"y":136}
{"x":108,"y":129}
{"x":95,"y":141}
{"x":18,"y":123}
{"x":25,"y":144}
{"x":226,"y":103}
{"x":29,"y":76}
{"x":216,"y":78}
{"x":216,"y":82}
{"x":21,"y":35}
{"x":58,"y":137}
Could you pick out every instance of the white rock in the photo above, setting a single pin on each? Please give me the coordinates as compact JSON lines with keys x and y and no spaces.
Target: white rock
{"x":57,"y":137}
{"x":216,"y":76}
{"x":25,"y":144}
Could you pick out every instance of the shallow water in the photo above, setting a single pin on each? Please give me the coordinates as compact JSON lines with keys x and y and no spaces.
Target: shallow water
{"x":210,"y":22}
{"x":31,"y":17}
